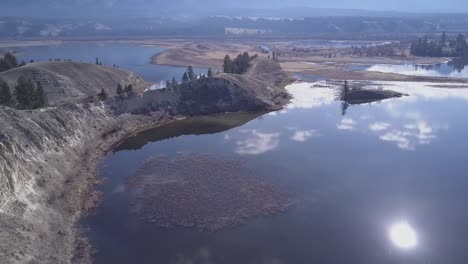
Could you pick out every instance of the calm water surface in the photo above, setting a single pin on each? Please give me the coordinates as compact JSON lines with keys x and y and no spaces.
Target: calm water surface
{"x":386,"y":183}
{"x":132,"y":57}
{"x":454,"y":69}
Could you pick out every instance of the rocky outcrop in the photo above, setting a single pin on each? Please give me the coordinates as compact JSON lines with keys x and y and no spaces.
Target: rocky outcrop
{"x":260,"y":89}
{"x":48,"y":156}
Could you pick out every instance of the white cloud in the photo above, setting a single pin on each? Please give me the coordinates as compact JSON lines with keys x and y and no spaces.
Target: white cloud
{"x":304,"y":135}
{"x":257,"y":143}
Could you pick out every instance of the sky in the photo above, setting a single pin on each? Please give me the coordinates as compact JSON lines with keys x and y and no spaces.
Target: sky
{"x":156,"y":7}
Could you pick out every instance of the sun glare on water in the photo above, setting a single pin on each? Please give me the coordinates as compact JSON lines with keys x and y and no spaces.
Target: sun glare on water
{"x":403,"y":236}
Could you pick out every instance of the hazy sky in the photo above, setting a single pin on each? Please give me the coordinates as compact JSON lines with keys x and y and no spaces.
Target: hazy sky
{"x":15,"y":7}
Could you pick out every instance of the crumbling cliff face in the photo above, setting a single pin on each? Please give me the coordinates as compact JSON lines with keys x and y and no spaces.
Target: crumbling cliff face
{"x":39,"y":153}
{"x":48,"y":156}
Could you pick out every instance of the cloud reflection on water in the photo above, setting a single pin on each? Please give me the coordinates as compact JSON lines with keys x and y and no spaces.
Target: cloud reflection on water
{"x":347,"y":124}
{"x":304,"y":135}
{"x":253,"y":142}
{"x":305,"y":96}
{"x":402,"y":123}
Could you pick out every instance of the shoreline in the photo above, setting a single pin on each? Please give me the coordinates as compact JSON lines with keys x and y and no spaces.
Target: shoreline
{"x":86,"y":179}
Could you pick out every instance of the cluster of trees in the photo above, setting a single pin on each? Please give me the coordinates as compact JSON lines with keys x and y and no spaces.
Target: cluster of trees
{"x":98,"y":62}
{"x":189,"y":75}
{"x":8,"y":62}
{"x":443,"y":47}
{"x":121,"y":90}
{"x":239,"y":65}
{"x":26,"y":95}
{"x":377,"y":50}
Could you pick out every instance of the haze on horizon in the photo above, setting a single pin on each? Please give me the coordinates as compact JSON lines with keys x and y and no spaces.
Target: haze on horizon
{"x":111,"y":8}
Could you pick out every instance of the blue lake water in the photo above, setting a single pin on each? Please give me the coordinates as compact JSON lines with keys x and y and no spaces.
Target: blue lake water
{"x":453,"y":69}
{"x":384,"y":183}
{"x":132,"y":57}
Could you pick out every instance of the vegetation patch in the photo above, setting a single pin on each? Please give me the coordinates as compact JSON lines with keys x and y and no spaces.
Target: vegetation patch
{"x":202,"y":192}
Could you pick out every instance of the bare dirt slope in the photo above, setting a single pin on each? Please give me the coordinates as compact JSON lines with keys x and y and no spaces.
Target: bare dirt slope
{"x":67,"y":81}
{"x":201,"y":54}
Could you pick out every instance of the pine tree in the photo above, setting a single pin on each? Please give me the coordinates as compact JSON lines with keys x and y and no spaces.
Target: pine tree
{"x":227,"y":65}
{"x":6,"y":98}
{"x":102,"y":95}
{"x":443,"y":39}
{"x":185,"y":78}
{"x":210,"y":73}
{"x":24,"y":93}
{"x":345,"y":90}
{"x":97,"y":61}
{"x":190,"y":73}
{"x":10,"y":60}
{"x":461,"y":45}
{"x":119,"y":90}
{"x":168,"y":84}
{"x":174,"y":82}
{"x":129,"y":88}
{"x":39,"y":99}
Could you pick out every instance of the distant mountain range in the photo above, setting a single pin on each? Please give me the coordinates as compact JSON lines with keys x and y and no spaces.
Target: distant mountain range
{"x":222,"y":25}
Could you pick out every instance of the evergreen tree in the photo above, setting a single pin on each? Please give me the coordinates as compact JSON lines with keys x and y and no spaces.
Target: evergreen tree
{"x":344,"y":91}
{"x":190,"y":73}
{"x":174,"y":82}
{"x":24,"y":93}
{"x":10,"y":60}
{"x":245,"y":58}
{"x":227,"y":65}
{"x":210,"y":73}
{"x":185,"y":78}
{"x":344,"y":107}
{"x":102,"y":95}
{"x":129,"y":88}
{"x":168,"y":84}
{"x":97,"y":61}
{"x":6,"y":98}
{"x":119,"y":91}
{"x":443,"y":39}
{"x":461,"y":46}
{"x":39,"y":99}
